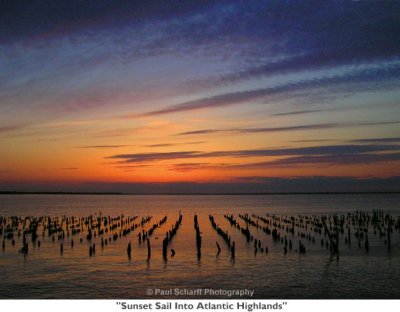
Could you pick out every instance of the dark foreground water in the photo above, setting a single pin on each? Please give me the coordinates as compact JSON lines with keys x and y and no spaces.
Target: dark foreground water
{"x":45,"y":272}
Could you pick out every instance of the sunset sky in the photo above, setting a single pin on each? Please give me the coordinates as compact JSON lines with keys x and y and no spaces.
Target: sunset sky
{"x":199,"y":95}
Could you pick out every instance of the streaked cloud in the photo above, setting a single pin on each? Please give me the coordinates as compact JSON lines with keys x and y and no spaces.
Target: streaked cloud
{"x":204,"y":131}
{"x":357,"y":81}
{"x":174,"y":144}
{"x":103,"y":146}
{"x":377,"y":140}
{"x":290,"y":128}
{"x":187,"y":167}
{"x":299,"y":161}
{"x":312,"y":141}
{"x":334,"y":159}
{"x":300,"y":112}
{"x":7,"y":129}
{"x":330,"y":150}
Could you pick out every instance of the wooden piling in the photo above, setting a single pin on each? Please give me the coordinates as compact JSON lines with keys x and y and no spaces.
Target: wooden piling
{"x":129,"y":250}
{"x":198,"y":237}
{"x":218,"y":248}
{"x":148,"y":249}
{"x":165,"y":245}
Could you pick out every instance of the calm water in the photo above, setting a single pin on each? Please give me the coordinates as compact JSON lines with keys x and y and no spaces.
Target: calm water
{"x":46,"y":273}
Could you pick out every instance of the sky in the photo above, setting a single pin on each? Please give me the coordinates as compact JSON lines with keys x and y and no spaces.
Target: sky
{"x":199,"y":96}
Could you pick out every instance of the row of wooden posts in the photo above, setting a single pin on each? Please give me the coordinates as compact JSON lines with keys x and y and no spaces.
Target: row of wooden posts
{"x":225,"y":236}
{"x":169,"y":236}
{"x":331,"y":226}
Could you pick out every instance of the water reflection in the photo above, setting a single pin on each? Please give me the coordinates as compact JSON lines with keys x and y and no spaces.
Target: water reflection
{"x":52,"y":271}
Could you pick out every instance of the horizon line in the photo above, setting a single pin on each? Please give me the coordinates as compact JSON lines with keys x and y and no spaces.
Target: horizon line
{"x":192,"y":193}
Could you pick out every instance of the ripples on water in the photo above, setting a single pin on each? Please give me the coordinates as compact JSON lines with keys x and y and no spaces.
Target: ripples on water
{"x":45,"y":273}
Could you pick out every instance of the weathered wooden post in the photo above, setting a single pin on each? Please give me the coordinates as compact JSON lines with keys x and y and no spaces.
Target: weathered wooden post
{"x":129,"y":250}
{"x":165,"y":243}
{"x":219,"y":249}
{"x":148,"y":249}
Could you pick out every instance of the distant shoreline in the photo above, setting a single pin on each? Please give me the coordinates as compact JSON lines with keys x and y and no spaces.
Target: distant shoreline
{"x":191,"y":194}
